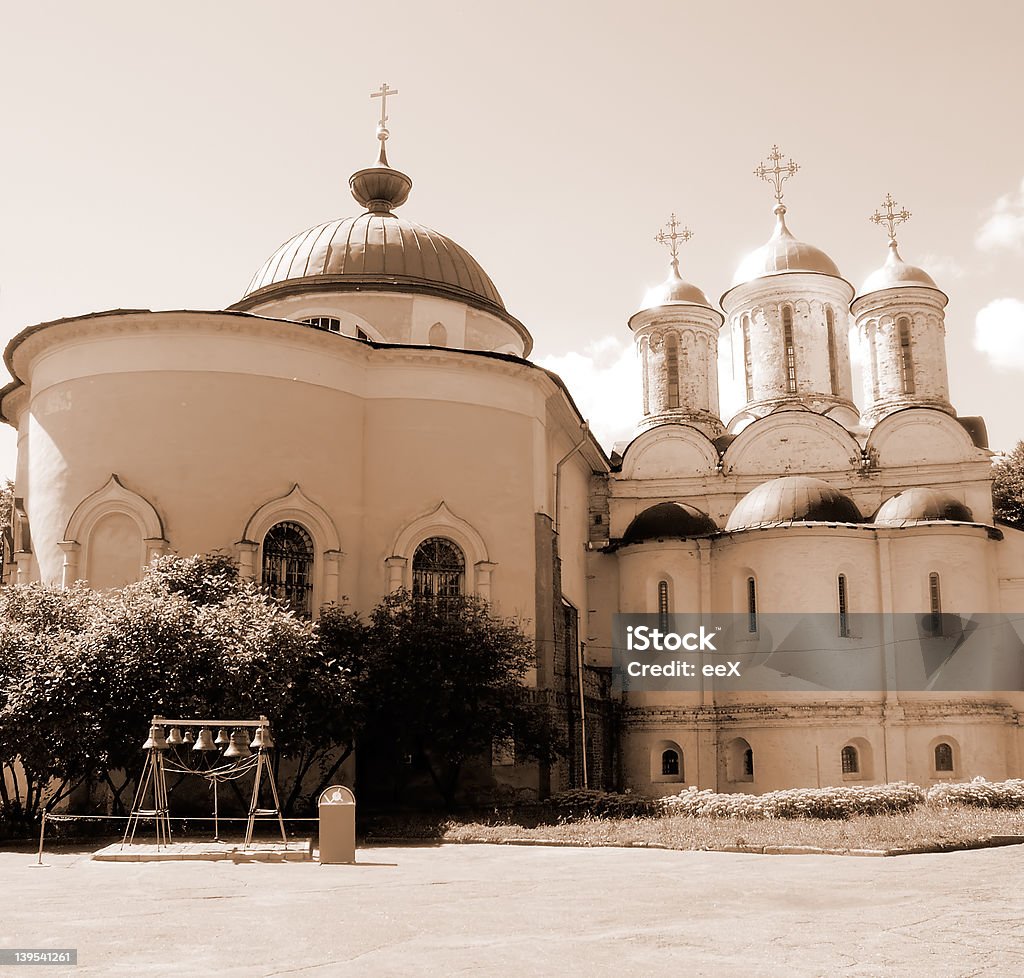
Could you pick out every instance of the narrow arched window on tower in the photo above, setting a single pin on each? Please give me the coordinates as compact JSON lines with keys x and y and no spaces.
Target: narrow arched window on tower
{"x":645,"y":354}
{"x":672,"y":369}
{"x":789,"y":349}
{"x":906,"y":356}
{"x":873,"y":361}
{"x":751,"y":605}
{"x":833,"y":363}
{"x":934,"y":604}
{"x":748,"y":360}
{"x":663,"y":605}
{"x":844,"y":610}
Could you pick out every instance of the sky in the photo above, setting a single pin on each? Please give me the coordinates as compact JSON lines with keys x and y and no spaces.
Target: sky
{"x":156,"y":155}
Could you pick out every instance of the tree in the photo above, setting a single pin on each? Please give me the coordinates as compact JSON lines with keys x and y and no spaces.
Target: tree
{"x":445,"y":681}
{"x":1008,"y":488}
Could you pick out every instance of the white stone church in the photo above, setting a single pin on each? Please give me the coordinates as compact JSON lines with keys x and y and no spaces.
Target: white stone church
{"x":366,"y":418}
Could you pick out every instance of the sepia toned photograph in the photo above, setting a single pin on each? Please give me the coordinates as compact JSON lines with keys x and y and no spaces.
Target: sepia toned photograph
{"x":512,"y":490}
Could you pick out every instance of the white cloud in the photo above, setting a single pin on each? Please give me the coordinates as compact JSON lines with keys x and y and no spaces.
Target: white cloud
{"x":942,"y":268}
{"x":1004,"y":227}
{"x":999,"y":333}
{"x":604,"y":380}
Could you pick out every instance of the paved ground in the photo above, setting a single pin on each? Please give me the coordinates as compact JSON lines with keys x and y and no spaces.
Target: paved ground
{"x":493,"y":910}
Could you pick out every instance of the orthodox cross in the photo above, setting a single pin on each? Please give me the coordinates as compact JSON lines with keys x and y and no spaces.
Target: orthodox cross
{"x":383,"y":96}
{"x":891,"y":218}
{"x":776,"y":174}
{"x":672,"y":239}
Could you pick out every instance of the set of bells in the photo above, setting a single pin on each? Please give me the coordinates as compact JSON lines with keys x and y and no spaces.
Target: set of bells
{"x":237,"y":743}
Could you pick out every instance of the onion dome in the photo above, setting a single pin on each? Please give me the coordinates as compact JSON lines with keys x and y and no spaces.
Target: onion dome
{"x":674,"y":291}
{"x":922,"y":505}
{"x":895,"y":274}
{"x":669,"y":520}
{"x":794,"y":499}
{"x":783,"y":253}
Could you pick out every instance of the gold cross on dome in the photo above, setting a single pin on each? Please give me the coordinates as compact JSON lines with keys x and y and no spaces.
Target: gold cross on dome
{"x":891,"y":218}
{"x":776,"y":174}
{"x":383,"y":96}
{"x":672,"y":239}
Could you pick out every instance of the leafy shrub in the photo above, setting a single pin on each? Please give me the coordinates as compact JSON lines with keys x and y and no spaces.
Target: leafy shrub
{"x":837,"y":802}
{"x":978,"y":793}
{"x":590,"y":803}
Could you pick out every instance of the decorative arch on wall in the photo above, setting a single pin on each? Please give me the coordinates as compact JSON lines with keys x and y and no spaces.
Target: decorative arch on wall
{"x":113,"y":499}
{"x":739,"y":760}
{"x":797,"y":441}
{"x":668,"y":450}
{"x":943,"y":758}
{"x":440,"y":522}
{"x":915,"y":435}
{"x":856,"y":761}
{"x":294,"y":507}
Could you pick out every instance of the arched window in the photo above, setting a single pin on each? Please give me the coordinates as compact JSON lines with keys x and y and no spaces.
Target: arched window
{"x":748,"y":359}
{"x":438,"y":335}
{"x":670,"y":764}
{"x":438,"y":569}
{"x":672,"y":369}
{"x":751,"y":605}
{"x":663,"y":605}
{"x":739,"y":760}
{"x":833,"y":363}
{"x":788,"y":348}
{"x":873,"y":361}
{"x":748,"y":763}
{"x":934,"y":604}
{"x":288,"y":566}
{"x":645,"y":356}
{"x":906,"y":356}
{"x":943,"y":757}
{"x":324,"y":322}
{"x":844,"y":609}
{"x":851,"y":762}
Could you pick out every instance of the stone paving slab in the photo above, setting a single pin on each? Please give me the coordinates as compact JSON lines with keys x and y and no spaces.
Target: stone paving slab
{"x":525,"y":911}
{"x":295,"y":851}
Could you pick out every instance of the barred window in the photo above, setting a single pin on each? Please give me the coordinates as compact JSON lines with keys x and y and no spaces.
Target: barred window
{"x":663,"y":605}
{"x":288,"y":566}
{"x":943,"y":757}
{"x":789,"y":349}
{"x":438,"y":569}
{"x":672,"y":368}
{"x":670,"y":764}
{"x":934,"y":604}
{"x":906,"y":357}
{"x":748,"y":358}
{"x":851,"y":762}
{"x":751,"y":605}
{"x":844,"y":608}
{"x":833,"y":362}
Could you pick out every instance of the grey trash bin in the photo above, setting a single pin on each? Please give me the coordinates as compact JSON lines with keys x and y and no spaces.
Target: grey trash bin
{"x":337,"y":810}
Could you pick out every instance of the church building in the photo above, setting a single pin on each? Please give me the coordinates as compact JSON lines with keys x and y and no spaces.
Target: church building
{"x":366,"y":418}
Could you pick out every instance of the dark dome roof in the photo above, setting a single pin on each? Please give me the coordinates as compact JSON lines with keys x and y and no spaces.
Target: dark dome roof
{"x":669,"y":520}
{"x":794,"y":499}
{"x":917,"y":505}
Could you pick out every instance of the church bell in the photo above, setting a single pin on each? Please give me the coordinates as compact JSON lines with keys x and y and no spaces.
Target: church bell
{"x":157,"y":740}
{"x":174,"y":738}
{"x":263,"y":740}
{"x":239,"y":746}
{"x":205,"y":741}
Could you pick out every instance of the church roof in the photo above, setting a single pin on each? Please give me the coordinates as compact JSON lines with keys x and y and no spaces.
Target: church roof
{"x":921,"y":504}
{"x":794,"y":499}
{"x":783,"y":253}
{"x":378,"y":248}
{"x":665,"y":520}
{"x":895,"y":274}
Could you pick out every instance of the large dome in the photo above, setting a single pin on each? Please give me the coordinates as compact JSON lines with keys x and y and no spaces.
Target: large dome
{"x":895,"y":274}
{"x":922,"y":504}
{"x":667,"y":520}
{"x":378,"y":249}
{"x":783,"y":253}
{"x":794,"y":499}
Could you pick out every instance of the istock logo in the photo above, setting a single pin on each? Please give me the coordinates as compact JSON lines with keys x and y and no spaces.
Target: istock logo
{"x":641,"y":638}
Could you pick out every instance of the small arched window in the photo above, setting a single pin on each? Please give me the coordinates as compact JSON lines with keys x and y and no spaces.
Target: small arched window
{"x":906,"y":356}
{"x":288,"y":566}
{"x":438,"y":569}
{"x":748,"y":358}
{"x":663,"y":605}
{"x":748,"y":763}
{"x":788,"y":348}
{"x":329,"y":323}
{"x":438,"y":335}
{"x":844,"y":606}
{"x":833,"y":362}
{"x":672,"y":368}
{"x":670,"y":764}
{"x":751,"y":605}
{"x":943,"y":757}
{"x":851,"y":762}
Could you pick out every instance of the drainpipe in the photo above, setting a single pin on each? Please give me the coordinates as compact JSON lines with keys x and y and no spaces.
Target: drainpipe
{"x":583,"y":712}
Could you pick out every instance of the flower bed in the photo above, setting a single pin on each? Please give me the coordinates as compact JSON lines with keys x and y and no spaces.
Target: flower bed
{"x":978,"y":793}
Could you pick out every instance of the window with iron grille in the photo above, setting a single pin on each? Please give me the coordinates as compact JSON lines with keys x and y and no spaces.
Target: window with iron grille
{"x":851,"y":762}
{"x":787,"y":340}
{"x":748,"y":358}
{"x":663,"y":606}
{"x":670,"y":764}
{"x":844,"y":609}
{"x":288,"y":566}
{"x":438,"y":569}
{"x":672,"y":368}
{"x":935,"y":604}
{"x":943,"y":757}
{"x":833,"y":362}
{"x":751,"y":605}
